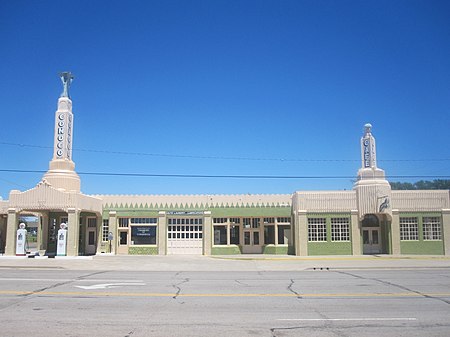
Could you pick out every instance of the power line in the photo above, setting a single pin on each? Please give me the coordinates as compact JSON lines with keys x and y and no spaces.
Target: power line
{"x":157,"y":175}
{"x":223,"y":157}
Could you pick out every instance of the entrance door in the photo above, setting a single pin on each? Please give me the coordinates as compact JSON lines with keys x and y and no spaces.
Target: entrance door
{"x":123,"y":242}
{"x":91,"y":236}
{"x":252,"y":242}
{"x":90,"y":242}
{"x":371,"y":241}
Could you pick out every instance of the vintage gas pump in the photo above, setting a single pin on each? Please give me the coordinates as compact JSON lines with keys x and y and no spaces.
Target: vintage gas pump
{"x":21,"y":240}
{"x":62,"y":240}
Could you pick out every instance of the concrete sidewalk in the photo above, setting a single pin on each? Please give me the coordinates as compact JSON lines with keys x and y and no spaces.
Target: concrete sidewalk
{"x":227,"y":263}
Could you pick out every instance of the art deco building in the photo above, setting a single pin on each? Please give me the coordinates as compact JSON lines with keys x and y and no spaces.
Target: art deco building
{"x":370,"y":219}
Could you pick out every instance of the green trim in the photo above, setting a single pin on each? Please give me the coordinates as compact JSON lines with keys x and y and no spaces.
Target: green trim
{"x":276,"y":250}
{"x":226,"y":250}
{"x":422,"y":247}
{"x":130,"y":213}
{"x":219,"y":211}
{"x":330,"y":248}
{"x":140,"y":250}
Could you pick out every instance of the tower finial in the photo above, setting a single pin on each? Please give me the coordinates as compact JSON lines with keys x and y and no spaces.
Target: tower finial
{"x":66,"y":78}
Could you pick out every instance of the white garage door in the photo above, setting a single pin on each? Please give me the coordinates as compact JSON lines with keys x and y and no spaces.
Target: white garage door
{"x":185,"y":236}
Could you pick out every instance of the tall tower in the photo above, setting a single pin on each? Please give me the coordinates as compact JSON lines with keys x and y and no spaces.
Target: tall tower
{"x":372,"y":189}
{"x":61,"y":173}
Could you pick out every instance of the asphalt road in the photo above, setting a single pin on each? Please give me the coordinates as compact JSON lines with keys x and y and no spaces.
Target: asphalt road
{"x":336,"y":302}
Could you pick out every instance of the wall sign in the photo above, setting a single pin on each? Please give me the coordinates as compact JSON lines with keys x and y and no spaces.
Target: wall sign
{"x":63,"y":136}
{"x":184,"y":213}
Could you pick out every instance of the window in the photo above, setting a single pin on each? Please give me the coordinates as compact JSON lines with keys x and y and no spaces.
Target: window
{"x":92,"y":222}
{"x":269,"y":235}
{"x":143,"y":235}
{"x":246,"y":222}
{"x":235,"y":220}
{"x":269,"y":220}
{"x":220,"y":235}
{"x":176,"y":232}
{"x":284,"y":220}
{"x":317,"y":229}
{"x":220,"y":220}
{"x":409,"y":229}
{"x":234,"y":234}
{"x":143,"y":220}
{"x":256,"y":222}
{"x":105,"y":230}
{"x":432,"y":228}
{"x":340,"y":229}
{"x":370,"y":220}
{"x":185,"y":221}
{"x":256,"y":238}
{"x":123,"y":222}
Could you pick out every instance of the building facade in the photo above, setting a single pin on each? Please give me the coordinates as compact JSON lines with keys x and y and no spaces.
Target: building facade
{"x":370,"y":219}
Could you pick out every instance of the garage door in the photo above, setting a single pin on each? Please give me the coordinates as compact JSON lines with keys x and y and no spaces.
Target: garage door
{"x":185,"y":236}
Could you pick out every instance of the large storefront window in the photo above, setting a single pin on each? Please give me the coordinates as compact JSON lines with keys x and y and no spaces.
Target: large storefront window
{"x":269,"y":234}
{"x":143,"y":235}
{"x":220,"y":235}
{"x":142,"y":231}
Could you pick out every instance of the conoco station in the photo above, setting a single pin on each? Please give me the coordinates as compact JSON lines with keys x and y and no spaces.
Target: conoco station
{"x":369,"y":219}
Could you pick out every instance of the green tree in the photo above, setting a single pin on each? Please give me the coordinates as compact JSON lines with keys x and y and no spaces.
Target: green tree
{"x":437,"y":184}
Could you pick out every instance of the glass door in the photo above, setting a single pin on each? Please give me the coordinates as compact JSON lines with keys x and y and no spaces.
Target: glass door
{"x":252,"y":242}
{"x":123,"y":242}
{"x":371,"y":241}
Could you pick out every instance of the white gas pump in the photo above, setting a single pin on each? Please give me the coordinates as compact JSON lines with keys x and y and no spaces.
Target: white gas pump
{"x":21,"y":240}
{"x":62,"y":240}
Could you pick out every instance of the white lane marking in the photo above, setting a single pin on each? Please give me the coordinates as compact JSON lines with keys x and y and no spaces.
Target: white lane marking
{"x":350,"y":319}
{"x":109,"y":285}
{"x":66,"y":280}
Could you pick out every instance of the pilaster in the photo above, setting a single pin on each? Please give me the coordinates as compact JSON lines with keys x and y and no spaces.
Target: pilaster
{"x":11,"y":229}
{"x":207,"y":229}
{"x":446,"y":230}
{"x":301,"y":240}
{"x":162,"y":233}
{"x":356,"y":233}
{"x":73,"y":232}
{"x":395,"y":232}
{"x":99,"y":234}
{"x":42,"y":237}
{"x":112,"y":228}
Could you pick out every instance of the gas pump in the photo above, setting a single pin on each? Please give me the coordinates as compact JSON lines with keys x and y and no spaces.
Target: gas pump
{"x":21,"y":240}
{"x":62,"y":240}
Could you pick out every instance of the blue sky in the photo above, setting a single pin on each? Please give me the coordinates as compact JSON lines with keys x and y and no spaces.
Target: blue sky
{"x":178,"y":81}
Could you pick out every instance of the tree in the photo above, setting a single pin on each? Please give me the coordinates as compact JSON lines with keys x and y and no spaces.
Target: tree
{"x":437,"y":184}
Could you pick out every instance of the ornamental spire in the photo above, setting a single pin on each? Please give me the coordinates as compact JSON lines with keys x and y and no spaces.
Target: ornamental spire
{"x":368,"y":148}
{"x":66,"y":78}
